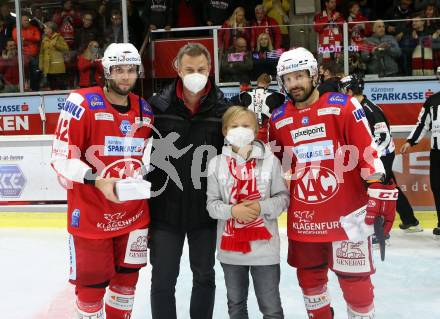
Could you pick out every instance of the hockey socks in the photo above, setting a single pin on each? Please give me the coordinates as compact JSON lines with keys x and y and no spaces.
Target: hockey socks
{"x":358,"y":293}
{"x":120,"y":297}
{"x":89,"y":303}
{"x":313,"y":282}
{"x":317,"y":302}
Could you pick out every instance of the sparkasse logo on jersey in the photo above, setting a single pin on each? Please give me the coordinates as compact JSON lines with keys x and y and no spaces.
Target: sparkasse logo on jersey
{"x":317,"y":151}
{"x":308,"y":133}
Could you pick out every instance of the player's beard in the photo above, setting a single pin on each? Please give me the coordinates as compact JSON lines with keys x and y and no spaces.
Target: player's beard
{"x":118,"y":90}
{"x":306,"y":92}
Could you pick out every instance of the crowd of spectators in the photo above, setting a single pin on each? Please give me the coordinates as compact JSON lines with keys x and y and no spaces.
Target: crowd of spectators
{"x":63,"y":43}
{"x":406,"y":47}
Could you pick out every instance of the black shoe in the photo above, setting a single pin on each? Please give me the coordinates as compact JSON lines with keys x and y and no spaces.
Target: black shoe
{"x":436,"y":231}
{"x":411,"y":227}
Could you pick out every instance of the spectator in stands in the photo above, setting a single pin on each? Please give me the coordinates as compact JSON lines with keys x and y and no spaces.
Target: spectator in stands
{"x":265,"y":58}
{"x":265,"y":24}
{"x":113,"y":33}
{"x":434,"y":28}
{"x":249,"y":7}
{"x":86,"y":33}
{"x":193,"y":14}
{"x":53,"y":48}
{"x":358,"y":27}
{"x":158,"y":14}
{"x":38,"y":18}
{"x":235,"y":27}
{"x":366,"y":11}
{"x":7,"y":24}
{"x":420,"y":5}
{"x":236,"y":62}
{"x":417,"y":54}
{"x":330,"y":72}
{"x":9,"y":68}
{"x":31,"y":37}
{"x":431,"y":12}
{"x":216,"y":12}
{"x":135,"y":25}
{"x":279,"y":11}
{"x":401,"y":11}
{"x":3,"y":38}
{"x":90,"y":67}
{"x":381,"y":52}
{"x":328,"y":25}
{"x":67,"y":20}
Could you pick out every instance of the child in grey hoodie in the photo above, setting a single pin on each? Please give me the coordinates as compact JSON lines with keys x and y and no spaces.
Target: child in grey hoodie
{"x":246,"y":193}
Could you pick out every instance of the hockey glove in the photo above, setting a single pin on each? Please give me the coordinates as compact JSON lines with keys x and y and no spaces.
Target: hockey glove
{"x":382,"y":202}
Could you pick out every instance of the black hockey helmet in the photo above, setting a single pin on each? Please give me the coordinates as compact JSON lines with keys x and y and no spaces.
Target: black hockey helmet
{"x":354,"y":82}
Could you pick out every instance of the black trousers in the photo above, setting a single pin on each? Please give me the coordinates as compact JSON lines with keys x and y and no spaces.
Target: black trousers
{"x":434,"y":176}
{"x":165,"y":253}
{"x":404,"y":208}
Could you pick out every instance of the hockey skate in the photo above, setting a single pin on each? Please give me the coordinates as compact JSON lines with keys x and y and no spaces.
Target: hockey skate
{"x":436,"y":233}
{"x":411,"y":227}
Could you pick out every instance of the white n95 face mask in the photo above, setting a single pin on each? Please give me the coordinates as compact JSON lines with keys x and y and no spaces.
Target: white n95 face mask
{"x":240,"y":136}
{"x":195,"y":82}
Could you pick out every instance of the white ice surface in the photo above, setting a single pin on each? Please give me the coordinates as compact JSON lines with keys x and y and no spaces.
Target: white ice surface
{"x":34,"y":271}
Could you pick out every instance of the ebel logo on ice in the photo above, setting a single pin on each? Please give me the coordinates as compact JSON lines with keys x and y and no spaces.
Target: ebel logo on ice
{"x":12,"y":181}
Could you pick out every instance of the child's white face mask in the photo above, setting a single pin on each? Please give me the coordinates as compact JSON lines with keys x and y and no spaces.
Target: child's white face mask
{"x":240,"y":136}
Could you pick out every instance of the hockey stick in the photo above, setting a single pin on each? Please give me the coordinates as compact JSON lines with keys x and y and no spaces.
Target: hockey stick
{"x":380,"y":235}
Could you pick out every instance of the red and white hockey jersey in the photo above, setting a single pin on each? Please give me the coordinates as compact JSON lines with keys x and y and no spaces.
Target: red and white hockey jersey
{"x":91,"y":133}
{"x":332,"y":153}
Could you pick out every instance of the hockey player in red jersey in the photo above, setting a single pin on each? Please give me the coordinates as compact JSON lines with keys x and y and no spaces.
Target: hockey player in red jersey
{"x":336,"y":190}
{"x":100,"y":139}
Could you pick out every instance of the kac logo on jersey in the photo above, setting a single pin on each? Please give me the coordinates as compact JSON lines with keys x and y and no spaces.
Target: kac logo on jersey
{"x":337,"y":98}
{"x":305,"y":120}
{"x":125,"y":127}
{"x":314,"y":184}
{"x":358,"y":114}
{"x":96,"y":102}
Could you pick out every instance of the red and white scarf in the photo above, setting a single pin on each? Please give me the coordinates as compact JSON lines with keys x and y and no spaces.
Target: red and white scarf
{"x":237,"y":235}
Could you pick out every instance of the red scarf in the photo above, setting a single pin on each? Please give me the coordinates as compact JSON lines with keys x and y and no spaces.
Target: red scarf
{"x":237,"y":236}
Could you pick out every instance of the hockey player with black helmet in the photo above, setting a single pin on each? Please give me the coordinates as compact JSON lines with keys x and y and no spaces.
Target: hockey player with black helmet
{"x":99,"y":144}
{"x":353,"y":85}
{"x":331,"y":212}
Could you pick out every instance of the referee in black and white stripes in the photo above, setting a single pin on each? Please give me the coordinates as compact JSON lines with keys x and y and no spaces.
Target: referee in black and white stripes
{"x":429,"y":120}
